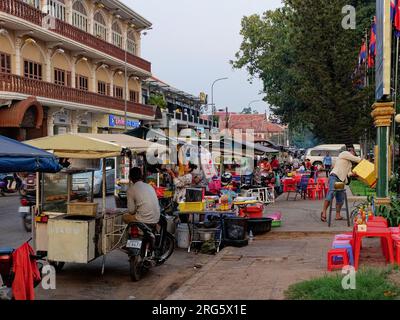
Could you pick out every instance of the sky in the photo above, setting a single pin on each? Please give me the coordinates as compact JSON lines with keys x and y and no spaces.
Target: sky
{"x":192,"y":42}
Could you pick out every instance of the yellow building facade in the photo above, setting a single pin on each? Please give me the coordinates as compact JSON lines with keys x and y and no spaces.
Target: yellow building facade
{"x":70,"y":66}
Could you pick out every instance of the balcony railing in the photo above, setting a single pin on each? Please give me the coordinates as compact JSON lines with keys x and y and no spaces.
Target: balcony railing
{"x":192,"y":119}
{"x":24,"y":11}
{"x":14,"y":83}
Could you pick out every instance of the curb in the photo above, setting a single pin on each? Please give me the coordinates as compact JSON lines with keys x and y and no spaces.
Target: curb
{"x":179,"y":294}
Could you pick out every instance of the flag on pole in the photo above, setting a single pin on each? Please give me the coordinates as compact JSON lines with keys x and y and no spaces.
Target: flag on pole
{"x":372,"y":45}
{"x":362,"y":57}
{"x":396,"y":17}
{"x":393,"y":7}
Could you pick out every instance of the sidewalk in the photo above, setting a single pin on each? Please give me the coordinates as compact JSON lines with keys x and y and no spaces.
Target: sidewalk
{"x":269,"y":264}
{"x":262,"y":270}
{"x":305,"y":216}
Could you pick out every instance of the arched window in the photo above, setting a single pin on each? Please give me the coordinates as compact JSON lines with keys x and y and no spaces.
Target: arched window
{"x":116,"y":35}
{"x":56,"y":8}
{"x":131,"y":43}
{"x":79,"y":16}
{"x":100,"y":29}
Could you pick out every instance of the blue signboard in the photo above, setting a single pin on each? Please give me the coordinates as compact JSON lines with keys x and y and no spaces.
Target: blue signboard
{"x":116,"y":121}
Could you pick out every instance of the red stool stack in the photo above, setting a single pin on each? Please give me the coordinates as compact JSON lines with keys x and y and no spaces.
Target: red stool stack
{"x":337,"y":253}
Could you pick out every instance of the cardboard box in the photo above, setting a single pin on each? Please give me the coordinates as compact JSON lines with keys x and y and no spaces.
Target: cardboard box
{"x":365,"y":172}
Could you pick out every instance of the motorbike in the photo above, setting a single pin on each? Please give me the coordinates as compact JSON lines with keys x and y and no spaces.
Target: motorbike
{"x":6,"y":185}
{"x":25,"y":210}
{"x":148,"y":247}
{"x":7,"y":275}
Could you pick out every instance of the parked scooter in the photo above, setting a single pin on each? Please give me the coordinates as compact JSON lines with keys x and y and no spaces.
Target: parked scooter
{"x":7,"y":275}
{"x":148,"y":247}
{"x":25,"y":210}
{"x":7,"y":185}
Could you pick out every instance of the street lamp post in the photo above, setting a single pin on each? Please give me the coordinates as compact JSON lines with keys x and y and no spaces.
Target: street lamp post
{"x":126,"y":84}
{"x":254,"y":101}
{"x":212,"y":97}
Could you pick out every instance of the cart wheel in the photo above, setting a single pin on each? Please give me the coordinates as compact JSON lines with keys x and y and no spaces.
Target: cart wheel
{"x":57,"y":265}
{"x":136,"y":267}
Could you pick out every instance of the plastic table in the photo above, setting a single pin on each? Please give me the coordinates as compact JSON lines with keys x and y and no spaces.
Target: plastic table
{"x":377,"y":232}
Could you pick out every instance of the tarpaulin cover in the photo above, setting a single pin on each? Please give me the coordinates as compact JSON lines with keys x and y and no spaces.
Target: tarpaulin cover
{"x":19,"y":157}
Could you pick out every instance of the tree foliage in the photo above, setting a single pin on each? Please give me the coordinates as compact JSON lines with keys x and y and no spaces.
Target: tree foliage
{"x":158,"y":101}
{"x":306,"y":60}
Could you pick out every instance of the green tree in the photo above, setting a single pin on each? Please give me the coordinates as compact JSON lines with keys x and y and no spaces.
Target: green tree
{"x":157,"y":100}
{"x":246,"y":110}
{"x":306,"y":60}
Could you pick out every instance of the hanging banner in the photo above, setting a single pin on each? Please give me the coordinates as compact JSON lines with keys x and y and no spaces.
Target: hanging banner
{"x":383,"y":49}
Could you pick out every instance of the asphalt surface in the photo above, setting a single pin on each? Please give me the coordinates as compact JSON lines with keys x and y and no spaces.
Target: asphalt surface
{"x":85,"y":281}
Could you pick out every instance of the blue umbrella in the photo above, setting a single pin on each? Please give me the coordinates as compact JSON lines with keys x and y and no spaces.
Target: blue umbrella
{"x":19,"y":157}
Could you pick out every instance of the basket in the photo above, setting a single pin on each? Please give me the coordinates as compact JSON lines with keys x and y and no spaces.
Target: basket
{"x":82,"y":208}
{"x":252,"y":212}
{"x":276,"y":223}
{"x":235,"y":228}
{"x":191,"y":206}
{"x":259,"y":226}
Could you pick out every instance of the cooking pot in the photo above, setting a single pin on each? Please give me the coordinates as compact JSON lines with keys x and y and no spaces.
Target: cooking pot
{"x":206,"y":234}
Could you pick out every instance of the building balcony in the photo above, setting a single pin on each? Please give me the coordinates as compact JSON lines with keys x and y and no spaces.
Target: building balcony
{"x":10,"y":83}
{"x":24,"y":11}
{"x":184,"y":118}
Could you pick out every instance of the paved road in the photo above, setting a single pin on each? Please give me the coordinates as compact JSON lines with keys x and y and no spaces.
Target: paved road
{"x":12,"y":233}
{"x":84,"y":281}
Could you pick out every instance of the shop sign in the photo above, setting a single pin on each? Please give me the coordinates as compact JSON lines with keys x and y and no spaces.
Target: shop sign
{"x":85,"y":120}
{"x":115,"y":121}
{"x":62,"y":117}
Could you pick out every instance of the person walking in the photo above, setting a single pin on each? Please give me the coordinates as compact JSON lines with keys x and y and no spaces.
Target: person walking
{"x":340,"y":173}
{"x":327,"y":162}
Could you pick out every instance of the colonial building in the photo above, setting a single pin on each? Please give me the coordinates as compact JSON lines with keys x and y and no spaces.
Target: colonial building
{"x":70,"y":66}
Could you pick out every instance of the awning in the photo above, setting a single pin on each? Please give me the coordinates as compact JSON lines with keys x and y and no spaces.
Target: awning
{"x":129,"y":142}
{"x":13,"y":116}
{"x":19,"y":157}
{"x":76,"y":146}
{"x":95,"y":146}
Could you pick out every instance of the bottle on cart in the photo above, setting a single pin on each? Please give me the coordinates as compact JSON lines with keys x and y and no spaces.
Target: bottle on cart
{"x":251,"y":236}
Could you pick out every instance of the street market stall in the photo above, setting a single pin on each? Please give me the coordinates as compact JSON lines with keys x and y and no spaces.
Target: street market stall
{"x":68,"y":225}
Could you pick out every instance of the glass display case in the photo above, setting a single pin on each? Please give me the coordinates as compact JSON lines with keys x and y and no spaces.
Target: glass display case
{"x":55,"y":191}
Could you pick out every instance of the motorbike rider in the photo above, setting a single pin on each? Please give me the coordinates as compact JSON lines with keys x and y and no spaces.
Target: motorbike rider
{"x":143,"y":205}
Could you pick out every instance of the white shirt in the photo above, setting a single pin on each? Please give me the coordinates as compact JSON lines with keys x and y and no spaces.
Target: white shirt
{"x":143,"y":202}
{"x":344,"y":165}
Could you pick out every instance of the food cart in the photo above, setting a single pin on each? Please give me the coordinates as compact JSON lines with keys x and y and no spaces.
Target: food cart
{"x":68,"y":227}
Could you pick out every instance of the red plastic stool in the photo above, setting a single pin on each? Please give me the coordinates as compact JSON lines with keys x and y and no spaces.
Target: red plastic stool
{"x":396,"y":249}
{"x":337,"y":253}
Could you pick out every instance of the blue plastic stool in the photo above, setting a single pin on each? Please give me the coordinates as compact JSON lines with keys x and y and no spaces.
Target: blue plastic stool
{"x":349,"y":251}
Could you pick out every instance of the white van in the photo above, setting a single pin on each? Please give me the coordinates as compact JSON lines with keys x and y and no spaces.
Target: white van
{"x":317,"y":154}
